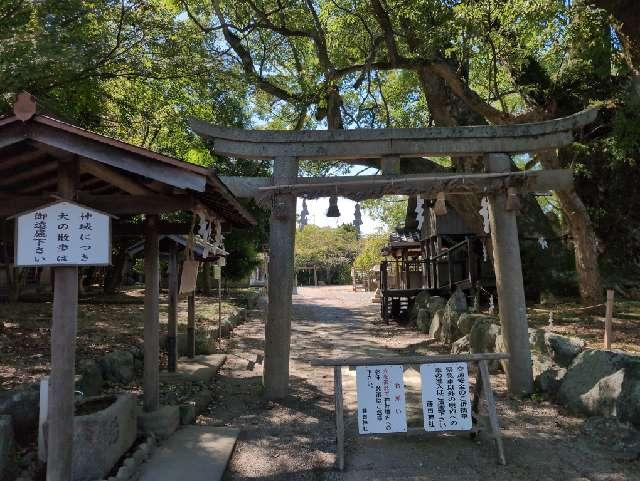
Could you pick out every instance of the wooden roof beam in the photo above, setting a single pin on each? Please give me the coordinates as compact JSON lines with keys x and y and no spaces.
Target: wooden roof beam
{"x":113,"y":177}
{"x":27,"y":174}
{"x":114,"y":156}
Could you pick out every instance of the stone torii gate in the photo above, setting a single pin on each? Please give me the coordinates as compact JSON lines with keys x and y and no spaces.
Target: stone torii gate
{"x":388,"y":146}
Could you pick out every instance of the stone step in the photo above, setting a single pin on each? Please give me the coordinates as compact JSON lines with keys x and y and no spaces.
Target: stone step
{"x":193,"y":453}
{"x":199,"y":369}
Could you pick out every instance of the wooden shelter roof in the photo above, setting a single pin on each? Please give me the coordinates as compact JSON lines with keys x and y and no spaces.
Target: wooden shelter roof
{"x":114,"y":176}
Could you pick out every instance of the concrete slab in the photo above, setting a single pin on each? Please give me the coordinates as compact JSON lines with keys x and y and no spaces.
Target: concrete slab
{"x":193,"y":453}
{"x":199,"y":369}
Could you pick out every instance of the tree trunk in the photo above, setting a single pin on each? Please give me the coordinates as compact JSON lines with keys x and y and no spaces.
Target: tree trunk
{"x":115,"y":273}
{"x":584,"y":237}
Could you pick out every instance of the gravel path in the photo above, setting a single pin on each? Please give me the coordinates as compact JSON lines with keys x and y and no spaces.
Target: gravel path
{"x":295,"y":439}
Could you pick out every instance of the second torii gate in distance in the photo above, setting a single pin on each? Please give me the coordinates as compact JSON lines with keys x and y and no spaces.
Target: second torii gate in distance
{"x":388,"y":146}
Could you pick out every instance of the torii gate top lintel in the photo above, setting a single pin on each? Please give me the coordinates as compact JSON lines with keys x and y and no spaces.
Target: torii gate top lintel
{"x":377,"y":143}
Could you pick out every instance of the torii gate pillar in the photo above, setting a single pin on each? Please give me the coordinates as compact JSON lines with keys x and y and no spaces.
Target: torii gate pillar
{"x":508,"y":270}
{"x":281,"y":252}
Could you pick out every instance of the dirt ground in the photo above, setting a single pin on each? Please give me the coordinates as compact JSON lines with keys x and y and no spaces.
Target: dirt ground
{"x":105,"y":324}
{"x":295,"y":439}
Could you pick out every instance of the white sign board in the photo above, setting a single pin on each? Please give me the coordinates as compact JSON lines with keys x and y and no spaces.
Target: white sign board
{"x":445,"y":397}
{"x":381,"y":404}
{"x":62,"y":234}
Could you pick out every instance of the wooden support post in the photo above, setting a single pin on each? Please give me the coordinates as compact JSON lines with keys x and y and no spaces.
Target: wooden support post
{"x":491,"y":408}
{"x":315,"y":276}
{"x":337,"y":387}
{"x":172,"y":318}
{"x":281,"y":245}
{"x":151,"y":313}
{"x":510,"y":287}
{"x":608,"y":321}
{"x":63,"y":354}
{"x":206,"y":279}
{"x":191,"y":325}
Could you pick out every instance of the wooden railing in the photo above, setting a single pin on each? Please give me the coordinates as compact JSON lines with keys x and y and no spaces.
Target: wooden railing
{"x":453,"y":265}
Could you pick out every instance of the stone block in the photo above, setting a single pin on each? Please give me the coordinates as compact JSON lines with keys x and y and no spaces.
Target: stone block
{"x":100,"y":438}
{"x":188,"y":413}
{"x":24,"y":408}
{"x":162,"y":423}
{"x":7,"y":446}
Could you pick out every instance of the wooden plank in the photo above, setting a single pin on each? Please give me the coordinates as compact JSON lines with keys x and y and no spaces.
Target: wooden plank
{"x":151,"y":376}
{"x":63,"y":352}
{"x":12,"y":134}
{"x":608,"y":321}
{"x":491,"y":407}
{"x":125,"y":159}
{"x":172,"y":311}
{"x":281,"y":245}
{"x":508,"y":270}
{"x":407,"y":360}
{"x":114,"y":177}
{"x":339,"y":404}
{"x":163,"y":227}
{"x":26,"y":157}
{"x":117,"y":204}
{"x":191,"y":325}
{"x":27,"y":174}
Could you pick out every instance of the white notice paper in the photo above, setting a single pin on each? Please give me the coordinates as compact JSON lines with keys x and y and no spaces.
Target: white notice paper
{"x":381,"y":404}
{"x":445,"y":397}
{"x":63,"y":233}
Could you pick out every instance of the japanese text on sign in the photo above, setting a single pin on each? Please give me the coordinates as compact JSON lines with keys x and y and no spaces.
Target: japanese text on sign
{"x":381,"y":403}
{"x":63,"y":234}
{"x":445,"y":397}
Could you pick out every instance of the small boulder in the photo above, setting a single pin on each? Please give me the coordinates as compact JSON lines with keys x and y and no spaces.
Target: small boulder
{"x":420,"y":302}
{"x":437,"y":325}
{"x":563,"y":349}
{"x":628,"y":403}
{"x":422,"y":320}
{"x":117,"y":367}
{"x":466,"y":321}
{"x":547,"y":376}
{"x":482,"y":337}
{"x":594,"y":382}
{"x":461,"y":346}
{"x":435,"y":304}
{"x":458,"y":301}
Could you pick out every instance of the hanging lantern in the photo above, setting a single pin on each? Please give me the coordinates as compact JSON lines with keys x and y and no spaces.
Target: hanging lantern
{"x":440,"y":208}
{"x":333,"y":210}
{"x":303,"y":214}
